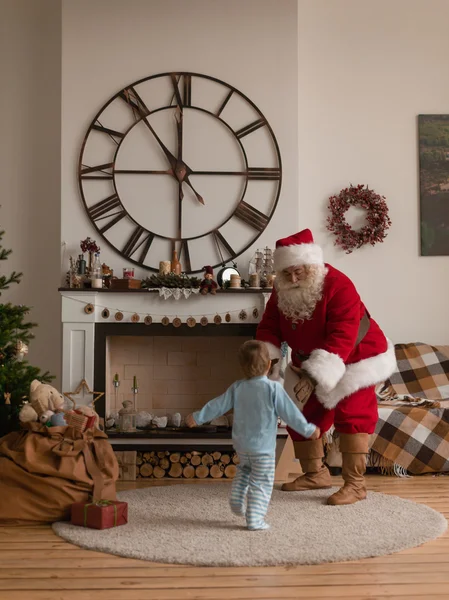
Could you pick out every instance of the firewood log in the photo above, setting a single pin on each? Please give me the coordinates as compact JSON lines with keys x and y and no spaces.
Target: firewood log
{"x":202,"y":472}
{"x":183,"y":460}
{"x":216,"y":472}
{"x":207,"y":460}
{"x":175,"y":457}
{"x":225,"y":459}
{"x":175,"y":470}
{"x":216,"y":456}
{"x":164,"y":463}
{"x":235,"y":458}
{"x":161,"y":454}
{"x":146,"y":470}
{"x":158,"y":472}
{"x":147,"y":456}
{"x":195,"y":460}
{"x":188,"y":455}
{"x":188,"y":472}
{"x":139,"y":459}
{"x":230,"y":471}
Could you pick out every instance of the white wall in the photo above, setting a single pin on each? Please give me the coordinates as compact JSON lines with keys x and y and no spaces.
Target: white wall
{"x":30,"y":130}
{"x":108,"y":44}
{"x":366,"y":70}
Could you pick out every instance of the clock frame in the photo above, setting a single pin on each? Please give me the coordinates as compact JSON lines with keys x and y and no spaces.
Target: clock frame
{"x":106,"y":213}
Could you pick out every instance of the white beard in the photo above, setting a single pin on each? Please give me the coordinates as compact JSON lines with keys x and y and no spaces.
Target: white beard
{"x":297,"y":301}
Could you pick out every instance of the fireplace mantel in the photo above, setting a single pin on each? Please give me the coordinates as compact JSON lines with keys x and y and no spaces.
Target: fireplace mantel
{"x":83,"y":323}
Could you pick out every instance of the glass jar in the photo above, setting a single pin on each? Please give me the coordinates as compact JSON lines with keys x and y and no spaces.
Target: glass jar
{"x":127,"y":417}
{"x":96,"y":276}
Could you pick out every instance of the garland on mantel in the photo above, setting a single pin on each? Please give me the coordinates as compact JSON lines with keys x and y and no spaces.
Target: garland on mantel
{"x":176,"y":321}
{"x":377,"y":216}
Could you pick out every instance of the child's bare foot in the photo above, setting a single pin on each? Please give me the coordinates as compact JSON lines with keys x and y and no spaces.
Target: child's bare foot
{"x":316,"y":434}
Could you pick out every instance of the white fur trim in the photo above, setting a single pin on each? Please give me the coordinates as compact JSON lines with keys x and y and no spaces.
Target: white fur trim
{"x":362,"y":374}
{"x":296,"y":255}
{"x":273,"y":350}
{"x":325,"y":367}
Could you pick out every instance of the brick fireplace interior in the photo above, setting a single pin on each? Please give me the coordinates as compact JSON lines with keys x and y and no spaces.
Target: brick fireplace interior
{"x":177,"y":370}
{"x":173,"y":374}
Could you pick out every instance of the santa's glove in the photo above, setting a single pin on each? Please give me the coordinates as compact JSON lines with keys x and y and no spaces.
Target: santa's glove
{"x":305,"y":386}
{"x":275,"y":371}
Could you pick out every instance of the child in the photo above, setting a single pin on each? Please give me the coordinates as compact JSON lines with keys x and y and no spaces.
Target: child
{"x":257,"y":402}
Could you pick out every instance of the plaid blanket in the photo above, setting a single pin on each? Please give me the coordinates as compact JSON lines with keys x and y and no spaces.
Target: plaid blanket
{"x":423,"y":371}
{"x":411,"y":440}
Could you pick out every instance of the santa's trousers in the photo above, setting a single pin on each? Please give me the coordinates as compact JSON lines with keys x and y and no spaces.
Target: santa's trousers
{"x":355,"y":414}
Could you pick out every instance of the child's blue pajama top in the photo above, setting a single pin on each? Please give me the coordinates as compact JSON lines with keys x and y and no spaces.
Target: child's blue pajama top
{"x":257,"y":402}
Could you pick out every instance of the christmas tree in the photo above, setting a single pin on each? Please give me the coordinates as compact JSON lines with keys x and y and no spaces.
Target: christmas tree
{"x":16,"y":374}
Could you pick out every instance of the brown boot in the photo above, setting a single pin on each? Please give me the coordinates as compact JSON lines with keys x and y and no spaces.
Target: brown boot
{"x":316,"y":475}
{"x":354,"y":449}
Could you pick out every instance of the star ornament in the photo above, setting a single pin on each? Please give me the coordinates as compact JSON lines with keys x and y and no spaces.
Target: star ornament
{"x":83,"y":385}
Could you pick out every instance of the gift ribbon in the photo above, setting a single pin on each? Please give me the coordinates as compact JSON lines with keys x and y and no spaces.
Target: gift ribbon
{"x":100,"y":503}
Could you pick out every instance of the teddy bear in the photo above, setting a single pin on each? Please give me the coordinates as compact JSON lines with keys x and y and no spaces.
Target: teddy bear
{"x":44,"y":398}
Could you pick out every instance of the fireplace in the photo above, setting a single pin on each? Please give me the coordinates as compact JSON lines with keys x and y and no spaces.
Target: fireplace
{"x":197,"y":363}
{"x":178,"y":368}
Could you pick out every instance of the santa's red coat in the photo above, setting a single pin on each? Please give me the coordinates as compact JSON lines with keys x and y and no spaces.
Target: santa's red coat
{"x":340,"y":367}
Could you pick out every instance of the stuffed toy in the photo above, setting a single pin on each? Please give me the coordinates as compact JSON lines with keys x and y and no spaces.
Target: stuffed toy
{"x":43,"y":397}
{"x":208,"y":285}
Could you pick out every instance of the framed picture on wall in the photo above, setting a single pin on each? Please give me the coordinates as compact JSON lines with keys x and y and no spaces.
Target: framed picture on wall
{"x":434,"y":184}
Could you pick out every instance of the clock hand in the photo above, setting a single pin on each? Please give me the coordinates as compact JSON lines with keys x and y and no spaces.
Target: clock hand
{"x":171,"y":159}
{"x":180,"y":197}
{"x":182,"y":171}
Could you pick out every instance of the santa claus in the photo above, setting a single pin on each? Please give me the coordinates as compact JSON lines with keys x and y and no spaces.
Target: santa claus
{"x":339,"y":353}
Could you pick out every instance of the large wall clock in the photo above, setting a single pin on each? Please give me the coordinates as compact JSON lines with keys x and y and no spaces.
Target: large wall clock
{"x":180,"y":161}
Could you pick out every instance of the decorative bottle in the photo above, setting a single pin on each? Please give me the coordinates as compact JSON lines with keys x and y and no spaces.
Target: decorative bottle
{"x":97,"y":272}
{"x":175,"y":264}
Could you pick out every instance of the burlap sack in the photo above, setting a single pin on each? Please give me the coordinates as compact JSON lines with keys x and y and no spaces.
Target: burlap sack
{"x":43,"y":470}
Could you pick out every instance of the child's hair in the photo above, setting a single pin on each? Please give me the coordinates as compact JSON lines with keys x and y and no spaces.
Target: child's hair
{"x":254,"y":358}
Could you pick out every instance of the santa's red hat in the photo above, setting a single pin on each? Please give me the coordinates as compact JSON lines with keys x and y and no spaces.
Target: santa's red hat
{"x":298,"y":249}
{"x":208,"y":270}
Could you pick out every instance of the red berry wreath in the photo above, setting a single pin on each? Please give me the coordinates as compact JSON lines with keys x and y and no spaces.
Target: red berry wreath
{"x":377,"y":216}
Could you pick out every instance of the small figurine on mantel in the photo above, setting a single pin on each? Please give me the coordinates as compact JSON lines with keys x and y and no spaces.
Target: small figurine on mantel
{"x":208,"y":285}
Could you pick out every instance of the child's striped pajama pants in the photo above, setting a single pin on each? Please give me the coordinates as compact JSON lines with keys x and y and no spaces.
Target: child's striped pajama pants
{"x":254,"y":482}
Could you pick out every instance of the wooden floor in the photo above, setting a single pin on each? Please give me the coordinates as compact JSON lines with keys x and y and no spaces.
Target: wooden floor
{"x":37,"y":565}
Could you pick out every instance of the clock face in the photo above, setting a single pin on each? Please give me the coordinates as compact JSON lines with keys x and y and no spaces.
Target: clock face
{"x":180,"y":161}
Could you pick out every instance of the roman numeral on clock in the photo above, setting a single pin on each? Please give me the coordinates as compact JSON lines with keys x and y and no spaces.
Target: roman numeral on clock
{"x":250,"y":128}
{"x":140,"y":238}
{"x":184,"y":254}
{"x":110,"y":132}
{"x":98,"y":172}
{"x":138,"y":106}
{"x":264,"y":173}
{"x":251,"y":216}
{"x":105,"y":209}
{"x":186,"y":98}
{"x":220,"y":239}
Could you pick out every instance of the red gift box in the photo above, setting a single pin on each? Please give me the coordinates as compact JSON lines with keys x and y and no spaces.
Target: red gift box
{"x":103,"y":514}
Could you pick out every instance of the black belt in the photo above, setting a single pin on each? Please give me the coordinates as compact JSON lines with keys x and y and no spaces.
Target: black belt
{"x":364,"y":326}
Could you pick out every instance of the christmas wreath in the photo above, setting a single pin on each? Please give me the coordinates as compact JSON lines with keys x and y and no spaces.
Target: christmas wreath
{"x":377,"y":217}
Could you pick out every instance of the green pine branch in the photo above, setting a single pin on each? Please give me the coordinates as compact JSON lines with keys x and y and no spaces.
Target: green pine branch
{"x":15,"y":375}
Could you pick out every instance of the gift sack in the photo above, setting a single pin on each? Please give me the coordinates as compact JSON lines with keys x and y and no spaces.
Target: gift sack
{"x":44,"y":470}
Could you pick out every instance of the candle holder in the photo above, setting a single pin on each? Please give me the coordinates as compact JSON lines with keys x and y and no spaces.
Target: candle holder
{"x":135,"y":391}
{"x":116,"y":384}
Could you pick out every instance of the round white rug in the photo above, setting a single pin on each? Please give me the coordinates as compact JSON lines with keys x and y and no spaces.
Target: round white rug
{"x":192,"y":524}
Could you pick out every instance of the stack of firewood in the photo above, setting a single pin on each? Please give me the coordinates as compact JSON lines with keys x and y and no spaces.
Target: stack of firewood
{"x":186,"y":465}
